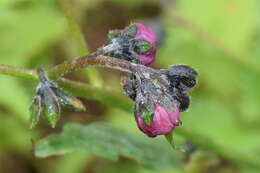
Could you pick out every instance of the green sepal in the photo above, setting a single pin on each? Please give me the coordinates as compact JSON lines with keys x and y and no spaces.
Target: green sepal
{"x":130,"y":31}
{"x":51,"y":114}
{"x":112,"y":34}
{"x":69,"y":100}
{"x":35,"y":111}
{"x":147,"y":116}
{"x":75,"y":103}
{"x":169,"y":137}
{"x":142,"y":46}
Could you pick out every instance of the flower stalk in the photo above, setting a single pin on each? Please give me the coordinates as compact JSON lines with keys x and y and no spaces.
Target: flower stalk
{"x":85,"y":61}
{"x":96,"y":60}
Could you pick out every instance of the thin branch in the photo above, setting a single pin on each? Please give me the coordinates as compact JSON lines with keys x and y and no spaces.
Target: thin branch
{"x":18,"y":72}
{"x":92,"y":74}
{"x":99,"y":60}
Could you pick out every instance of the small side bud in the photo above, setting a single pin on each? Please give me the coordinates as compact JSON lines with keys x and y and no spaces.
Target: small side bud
{"x":135,"y":43}
{"x":48,"y":101}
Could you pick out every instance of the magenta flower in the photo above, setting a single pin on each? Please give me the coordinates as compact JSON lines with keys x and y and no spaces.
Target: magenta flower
{"x":164,"y":121}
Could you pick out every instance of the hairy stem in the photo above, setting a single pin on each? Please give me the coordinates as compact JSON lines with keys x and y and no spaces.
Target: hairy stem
{"x":99,"y":60}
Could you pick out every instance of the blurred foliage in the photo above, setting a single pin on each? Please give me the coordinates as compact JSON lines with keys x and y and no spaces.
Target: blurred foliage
{"x":221,"y":39}
{"x":108,"y":142}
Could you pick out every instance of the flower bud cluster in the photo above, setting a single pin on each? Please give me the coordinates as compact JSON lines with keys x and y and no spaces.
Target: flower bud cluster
{"x":48,"y":101}
{"x":159,"y":97}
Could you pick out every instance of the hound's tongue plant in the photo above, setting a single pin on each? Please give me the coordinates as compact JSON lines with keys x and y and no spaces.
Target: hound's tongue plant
{"x":159,"y":95}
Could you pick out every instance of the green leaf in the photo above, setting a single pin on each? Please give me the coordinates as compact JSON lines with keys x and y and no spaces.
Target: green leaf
{"x":108,"y":142}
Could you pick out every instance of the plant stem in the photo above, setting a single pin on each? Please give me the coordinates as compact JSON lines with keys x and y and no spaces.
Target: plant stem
{"x":18,"y":72}
{"x":99,"y":60}
{"x":103,"y":94}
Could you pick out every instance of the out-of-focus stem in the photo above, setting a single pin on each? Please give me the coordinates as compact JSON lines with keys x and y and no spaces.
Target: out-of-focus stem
{"x":92,"y":74}
{"x":66,"y":6}
{"x":226,"y":152}
{"x":104,"y":95}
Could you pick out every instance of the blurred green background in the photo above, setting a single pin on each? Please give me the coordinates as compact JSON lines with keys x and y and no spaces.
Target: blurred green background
{"x":219,"y":38}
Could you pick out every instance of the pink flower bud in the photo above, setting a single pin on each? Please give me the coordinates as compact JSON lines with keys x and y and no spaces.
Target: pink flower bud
{"x":146,"y":34}
{"x":135,"y":43}
{"x":164,"y":121}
